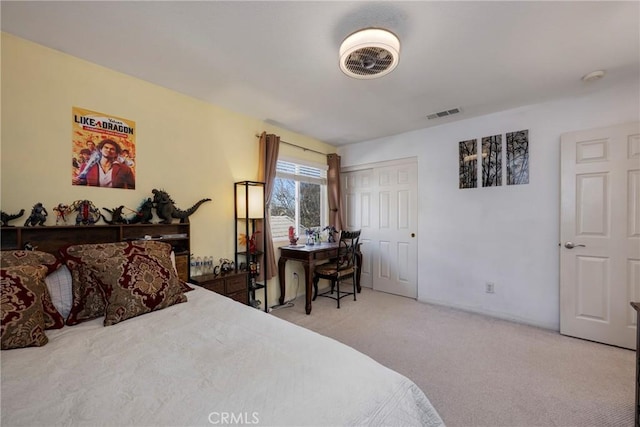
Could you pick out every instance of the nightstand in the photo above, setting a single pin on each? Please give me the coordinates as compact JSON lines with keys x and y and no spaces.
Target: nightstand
{"x":232,"y":285}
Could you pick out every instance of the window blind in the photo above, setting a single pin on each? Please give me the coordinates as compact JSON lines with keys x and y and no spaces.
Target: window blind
{"x":302,"y":173}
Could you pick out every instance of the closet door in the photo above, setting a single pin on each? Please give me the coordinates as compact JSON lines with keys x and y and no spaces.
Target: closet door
{"x":382,"y":201}
{"x":357,"y":199}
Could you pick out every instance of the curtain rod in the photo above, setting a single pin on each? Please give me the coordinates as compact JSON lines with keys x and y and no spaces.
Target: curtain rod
{"x":298,"y":146}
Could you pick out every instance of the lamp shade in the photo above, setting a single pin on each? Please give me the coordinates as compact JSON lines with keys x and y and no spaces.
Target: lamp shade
{"x":253,"y":195}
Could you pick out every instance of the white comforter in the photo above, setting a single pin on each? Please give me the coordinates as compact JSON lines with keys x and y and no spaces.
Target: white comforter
{"x":205,"y":362}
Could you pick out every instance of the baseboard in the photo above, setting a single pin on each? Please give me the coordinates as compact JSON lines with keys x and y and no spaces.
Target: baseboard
{"x":490,"y":313}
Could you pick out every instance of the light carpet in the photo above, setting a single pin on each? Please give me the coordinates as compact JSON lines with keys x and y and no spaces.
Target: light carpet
{"x":478,"y":370}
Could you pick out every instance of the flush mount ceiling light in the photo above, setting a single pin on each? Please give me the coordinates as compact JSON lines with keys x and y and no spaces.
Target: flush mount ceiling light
{"x":369,"y":53}
{"x":594,"y":75}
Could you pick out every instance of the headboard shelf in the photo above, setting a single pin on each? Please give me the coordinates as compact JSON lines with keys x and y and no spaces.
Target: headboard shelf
{"x":52,"y":238}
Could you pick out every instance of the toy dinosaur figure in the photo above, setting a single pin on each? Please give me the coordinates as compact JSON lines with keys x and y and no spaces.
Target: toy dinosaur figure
{"x":144,"y":214}
{"x":61,"y":212}
{"x":116,"y":216}
{"x":166,"y":208}
{"x":331,"y":233}
{"x":88,"y":213}
{"x":5,"y":217}
{"x":38,"y":215}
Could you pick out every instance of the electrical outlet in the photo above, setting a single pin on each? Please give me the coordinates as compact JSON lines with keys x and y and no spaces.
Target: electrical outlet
{"x":490,"y":287}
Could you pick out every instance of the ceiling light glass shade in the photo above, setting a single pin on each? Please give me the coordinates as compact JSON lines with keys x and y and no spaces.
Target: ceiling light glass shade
{"x":369,"y":53}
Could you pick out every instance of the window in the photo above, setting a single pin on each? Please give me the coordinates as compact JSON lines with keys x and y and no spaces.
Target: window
{"x":299,"y":199}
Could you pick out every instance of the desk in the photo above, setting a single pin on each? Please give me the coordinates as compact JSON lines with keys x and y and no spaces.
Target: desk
{"x":308,"y":256}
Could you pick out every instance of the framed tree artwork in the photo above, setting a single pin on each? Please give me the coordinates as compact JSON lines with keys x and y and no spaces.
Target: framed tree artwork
{"x":468,"y":160}
{"x":491,"y":148}
{"x":492,"y":161}
{"x":518,"y":157}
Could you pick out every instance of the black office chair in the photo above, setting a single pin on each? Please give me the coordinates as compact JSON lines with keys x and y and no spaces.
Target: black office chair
{"x":344,"y":266}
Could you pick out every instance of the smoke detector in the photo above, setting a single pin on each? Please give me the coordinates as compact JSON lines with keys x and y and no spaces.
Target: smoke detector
{"x":369,"y":53}
{"x":593,"y":76}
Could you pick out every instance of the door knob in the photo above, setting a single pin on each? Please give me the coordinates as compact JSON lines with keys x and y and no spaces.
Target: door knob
{"x":413,"y":234}
{"x":571,"y":245}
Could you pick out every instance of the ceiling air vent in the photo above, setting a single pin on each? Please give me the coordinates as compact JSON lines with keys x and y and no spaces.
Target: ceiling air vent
{"x":369,"y":53}
{"x":444,"y":113}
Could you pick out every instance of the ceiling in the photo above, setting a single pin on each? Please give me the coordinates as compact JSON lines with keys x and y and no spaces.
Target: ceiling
{"x":278,"y":61}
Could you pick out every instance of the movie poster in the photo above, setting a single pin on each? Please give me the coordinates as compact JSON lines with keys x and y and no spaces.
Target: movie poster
{"x":103,"y":150}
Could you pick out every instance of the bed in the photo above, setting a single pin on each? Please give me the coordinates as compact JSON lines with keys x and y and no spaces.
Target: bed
{"x":207,"y":360}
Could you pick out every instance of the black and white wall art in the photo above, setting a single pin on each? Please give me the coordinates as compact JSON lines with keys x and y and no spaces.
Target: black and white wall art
{"x":468,"y":160}
{"x":514,"y":154}
{"x":518,"y":157}
{"x":492,"y":161}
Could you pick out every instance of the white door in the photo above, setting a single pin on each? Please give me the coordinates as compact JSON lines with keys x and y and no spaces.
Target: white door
{"x":357,"y":194}
{"x":382,"y":201}
{"x":600,"y":234}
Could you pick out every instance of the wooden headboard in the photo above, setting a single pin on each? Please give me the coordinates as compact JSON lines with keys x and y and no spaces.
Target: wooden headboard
{"x":52,"y":238}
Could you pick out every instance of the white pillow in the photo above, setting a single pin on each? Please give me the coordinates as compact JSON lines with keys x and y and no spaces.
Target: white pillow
{"x":173,"y":261}
{"x":59,"y":284}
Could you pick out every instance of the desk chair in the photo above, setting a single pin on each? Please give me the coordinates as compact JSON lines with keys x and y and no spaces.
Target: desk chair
{"x":343,"y":267}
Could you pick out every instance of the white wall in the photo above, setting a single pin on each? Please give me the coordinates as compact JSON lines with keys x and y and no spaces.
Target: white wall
{"x":508,"y":234}
{"x":187,"y":147}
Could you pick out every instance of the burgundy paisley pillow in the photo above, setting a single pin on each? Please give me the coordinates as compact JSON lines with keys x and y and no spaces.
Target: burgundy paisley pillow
{"x":121,"y":280}
{"x":146,"y":281}
{"x":52,"y":318}
{"x":81,"y":260}
{"x":185,"y":286}
{"x":22,"y":314}
{"x":15,"y":258}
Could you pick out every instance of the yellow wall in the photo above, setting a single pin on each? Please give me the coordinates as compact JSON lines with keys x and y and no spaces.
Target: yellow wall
{"x":185,"y":146}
